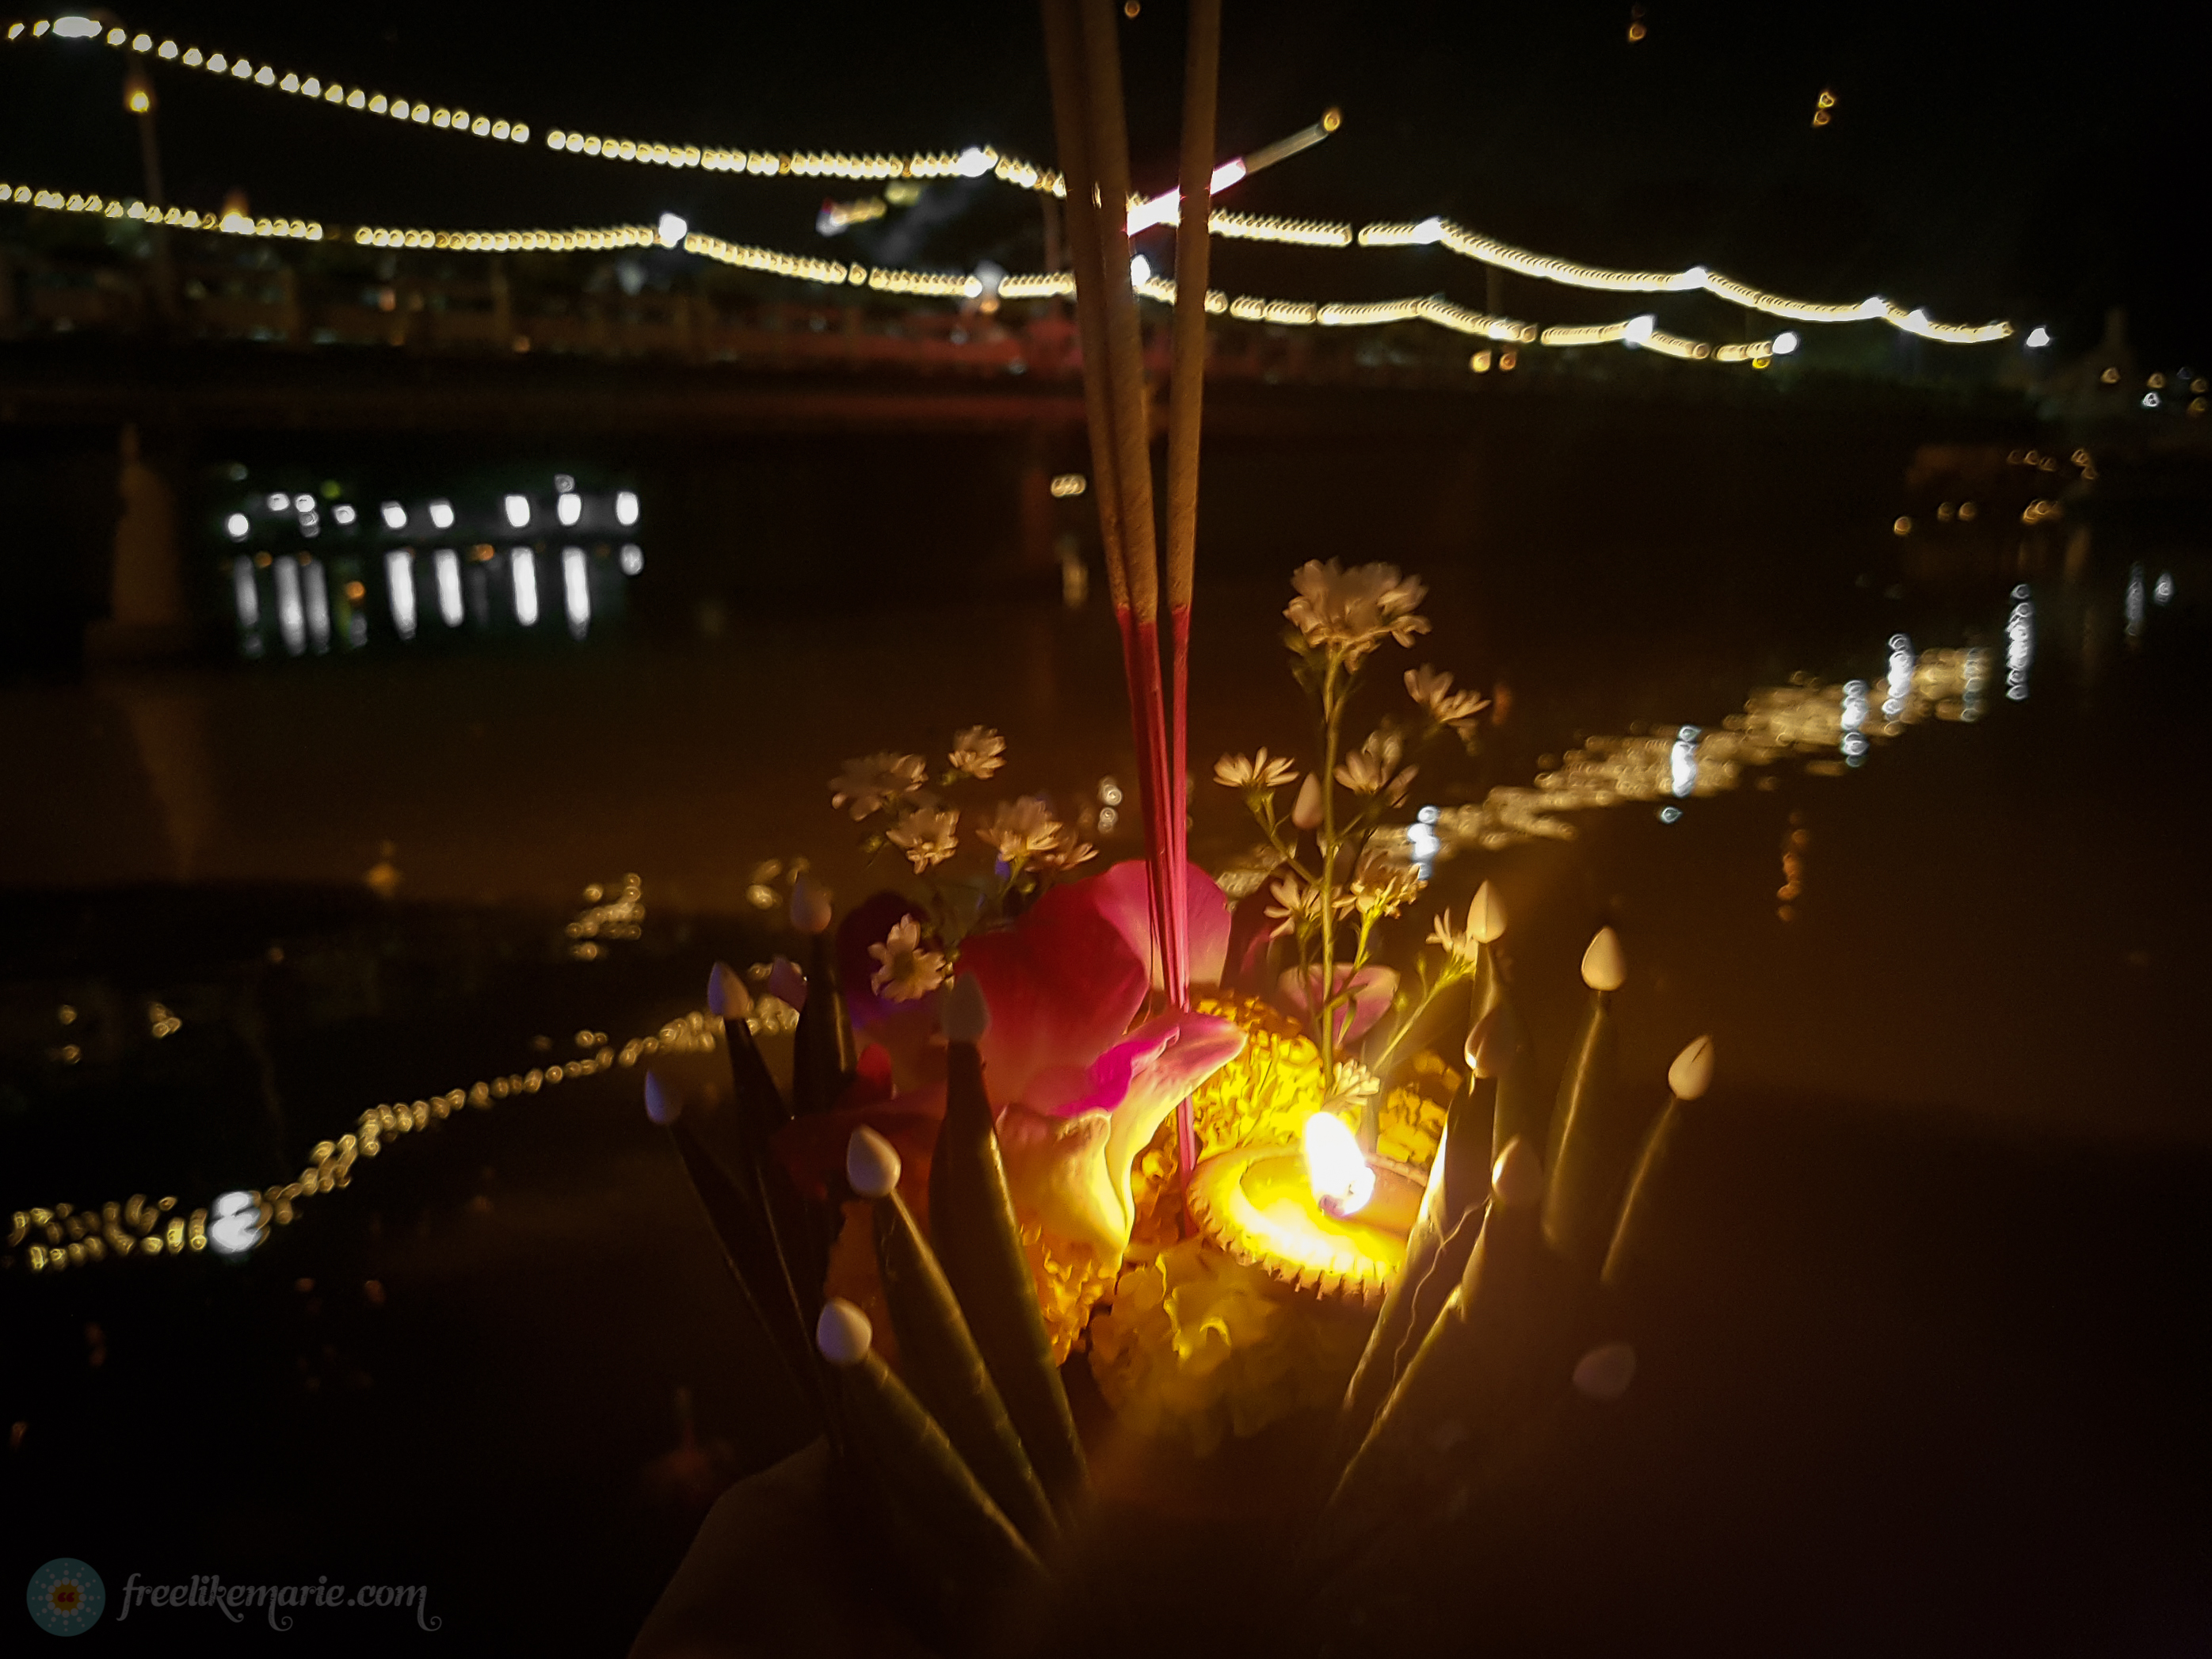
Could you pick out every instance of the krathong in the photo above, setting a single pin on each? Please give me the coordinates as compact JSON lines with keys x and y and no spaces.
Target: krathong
{"x":1246,"y":1165}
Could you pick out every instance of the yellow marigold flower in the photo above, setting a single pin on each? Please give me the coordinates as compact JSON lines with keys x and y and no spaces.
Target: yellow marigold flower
{"x":1198,"y":1347}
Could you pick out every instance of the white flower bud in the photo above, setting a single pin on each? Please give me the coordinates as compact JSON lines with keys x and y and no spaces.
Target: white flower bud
{"x":871,"y":1163}
{"x":726,"y":996}
{"x":1485,"y":917}
{"x":810,"y":906}
{"x":967,"y":1016}
{"x":786,"y":984}
{"x":1604,"y":1373}
{"x":1484,"y":1047}
{"x":843,"y":1333}
{"x":1517,"y":1177}
{"x":1305,"y":812}
{"x":1692,"y":1073}
{"x":1604,"y":968}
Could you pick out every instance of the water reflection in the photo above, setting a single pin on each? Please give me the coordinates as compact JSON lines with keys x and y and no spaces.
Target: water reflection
{"x":2020,"y":643}
{"x":1900,"y":683}
{"x":1831,"y":729}
{"x":1853,"y":720}
{"x":1682,"y":761}
{"x":291,"y":616}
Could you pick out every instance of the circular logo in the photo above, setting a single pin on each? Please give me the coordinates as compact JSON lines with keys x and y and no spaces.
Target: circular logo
{"x":66,"y":1597}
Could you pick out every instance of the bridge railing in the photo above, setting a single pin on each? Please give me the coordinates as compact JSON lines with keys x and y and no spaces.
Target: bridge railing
{"x":305,"y":306}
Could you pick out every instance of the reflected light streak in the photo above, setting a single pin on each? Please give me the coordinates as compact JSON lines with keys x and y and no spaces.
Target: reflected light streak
{"x":291,"y":619}
{"x":317,"y":593}
{"x":1854,"y":741}
{"x":1898,"y":685}
{"x":1977,"y":681}
{"x":399,"y":585}
{"x":446,"y":572}
{"x":2134,"y":601}
{"x":1803,"y":720}
{"x":1683,"y":762}
{"x":525,"y":586}
{"x":1422,"y":842}
{"x":248,"y":596}
{"x":576,"y":590}
{"x":2019,"y":644}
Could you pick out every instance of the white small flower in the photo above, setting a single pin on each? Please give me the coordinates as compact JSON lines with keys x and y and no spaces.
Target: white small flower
{"x":977,"y":751}
{"x":1355,"y":610}
{"x":1253,"y":771}
{"x":1370,"y":769}
{"x":926,"y":834}
{"x":1460,"y":947}
{"x":1381,"y":888}
{"x":872,"y":782}
{"x":906,"y":972}
{"x":1022,"y":829}
{"x":1432,"y":689}
{"x":1297,"y":904}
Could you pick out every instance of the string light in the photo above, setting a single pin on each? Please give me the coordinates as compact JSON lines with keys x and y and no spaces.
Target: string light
{"x":53,"y":1239}
{"x":414,"y":112}
{"x":1519,"y":261}
{"x":509,"y":241}
{"x":794,"y":265}
{"x":117,"y":207}
{"x":976,"y":161}
{"x":1259,"y":227}
{"x":1433,"y":308}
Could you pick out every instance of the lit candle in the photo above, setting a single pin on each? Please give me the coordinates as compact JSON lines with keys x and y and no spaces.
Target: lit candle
{"x":1319,"y":1216}
{"x":1339,"y":1174}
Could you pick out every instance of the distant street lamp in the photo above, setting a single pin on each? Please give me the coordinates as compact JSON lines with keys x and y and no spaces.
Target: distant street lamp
{"x":138,"y":100}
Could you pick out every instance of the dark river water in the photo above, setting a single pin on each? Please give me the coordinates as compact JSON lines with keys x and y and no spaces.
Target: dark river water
{"x":1924,"y":858}
{"x":1991,"y":897}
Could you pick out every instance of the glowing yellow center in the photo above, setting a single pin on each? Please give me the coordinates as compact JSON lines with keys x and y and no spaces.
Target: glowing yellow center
{"x":1341,"y":1181}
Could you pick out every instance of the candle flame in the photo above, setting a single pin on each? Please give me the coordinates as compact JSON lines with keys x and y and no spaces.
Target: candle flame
{"x":1341,"y":1181}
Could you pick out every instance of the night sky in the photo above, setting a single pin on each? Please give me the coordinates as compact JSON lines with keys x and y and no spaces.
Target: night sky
{"x":1983,"y":162}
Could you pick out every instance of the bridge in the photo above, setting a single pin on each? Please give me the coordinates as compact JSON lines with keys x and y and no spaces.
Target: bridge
{"x":779,"y":440}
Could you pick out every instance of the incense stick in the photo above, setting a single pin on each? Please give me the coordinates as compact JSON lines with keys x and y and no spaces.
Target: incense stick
{"x":1070,"y":106}
{"x":1124,"y":373}
{"x":1186,"y":399}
